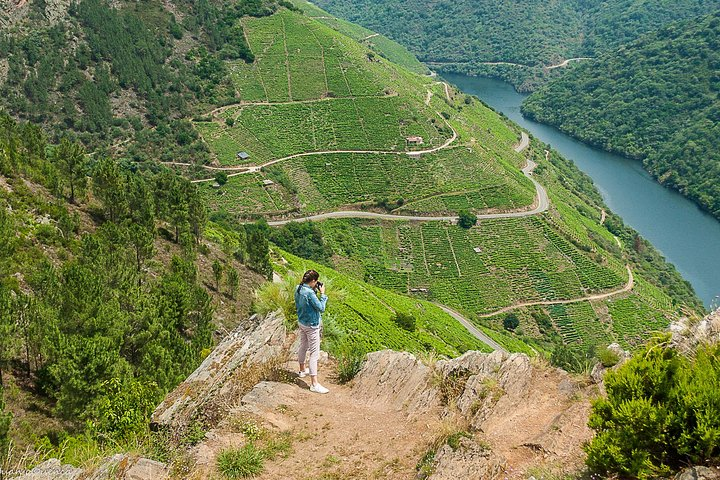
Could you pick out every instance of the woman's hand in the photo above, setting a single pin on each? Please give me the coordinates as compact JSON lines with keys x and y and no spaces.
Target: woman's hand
{"x":322,"y":289}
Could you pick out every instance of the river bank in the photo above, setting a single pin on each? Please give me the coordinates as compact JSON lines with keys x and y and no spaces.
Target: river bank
{"x":688,"y":237}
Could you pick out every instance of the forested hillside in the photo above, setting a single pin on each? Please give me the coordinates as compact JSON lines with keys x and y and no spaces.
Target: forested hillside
{"x":655,"y":100}
{"x":157,"y":162}
{"x":107,"y":294}
{"x":512,"y":40}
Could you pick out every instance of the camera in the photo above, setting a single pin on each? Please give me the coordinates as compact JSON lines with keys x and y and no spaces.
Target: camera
{"x":318,"y":285}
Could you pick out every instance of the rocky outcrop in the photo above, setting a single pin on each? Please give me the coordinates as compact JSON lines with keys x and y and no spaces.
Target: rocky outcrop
{"x":688,"y":334}
{"x":469,"y":460}
{"x":219,"y":381}
{"x":699,"y":473}
{"x":523,"y":411}
{"x":118,"y":467}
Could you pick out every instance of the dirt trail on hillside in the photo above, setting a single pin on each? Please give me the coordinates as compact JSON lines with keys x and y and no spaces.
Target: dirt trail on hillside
{"x":540,"y":417}
{"x":243,"y":170}
{"x":333,"y":434}
{"x":600,"y":296}
{"x":542,"y":203}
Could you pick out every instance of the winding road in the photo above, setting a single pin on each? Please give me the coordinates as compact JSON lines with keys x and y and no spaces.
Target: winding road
{"x":543,"y":202}
{"x":564,"y":63}
{"x":524,"y":142}
{"x":477,"y":333}
{"x":600,"y":296}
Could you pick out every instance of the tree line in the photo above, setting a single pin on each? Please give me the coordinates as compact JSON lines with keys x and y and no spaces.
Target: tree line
{"x":655,"y":100}
{"x":90,"y":313}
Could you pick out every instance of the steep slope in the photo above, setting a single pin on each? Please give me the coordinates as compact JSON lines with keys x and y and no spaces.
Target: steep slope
{"x":324,"y":124}
{"x":445,"y":419}
{"x":107,"y":293}
{"x":655,"y":100}
{"x":390,"y":49}
{"x":512,"y":40}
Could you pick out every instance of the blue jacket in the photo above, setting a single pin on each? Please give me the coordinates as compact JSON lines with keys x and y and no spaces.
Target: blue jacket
{"x":308,"y":306}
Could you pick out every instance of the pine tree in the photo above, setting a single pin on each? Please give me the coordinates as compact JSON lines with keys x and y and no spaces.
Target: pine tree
{"x":110,"y":187}
{"x":70,"y":159}
{"x":233,"y":281}
{"x":217,"y":269}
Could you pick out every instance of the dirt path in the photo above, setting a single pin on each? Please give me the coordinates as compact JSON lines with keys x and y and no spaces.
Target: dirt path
{"x":543,"y":203}
{"x":219,"y":110}
{"x":370,"y":36}
{"x":334,"y":436}
{"x":600,"y":296}
{"x":505,"y":63}
{"x":241,"y":170}
{"x":566,"y":62}
{"x":446,"y":87}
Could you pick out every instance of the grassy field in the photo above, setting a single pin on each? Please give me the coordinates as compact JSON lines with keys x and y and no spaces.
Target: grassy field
{"x":268,"y":132}
{"x":365,"y":313}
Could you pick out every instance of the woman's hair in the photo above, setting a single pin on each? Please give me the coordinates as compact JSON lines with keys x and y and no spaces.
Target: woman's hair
{"x":309,"y":276}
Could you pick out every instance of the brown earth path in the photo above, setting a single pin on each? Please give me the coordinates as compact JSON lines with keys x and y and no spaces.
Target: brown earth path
{"x":599,"y":296}
{"x":333,"y":435}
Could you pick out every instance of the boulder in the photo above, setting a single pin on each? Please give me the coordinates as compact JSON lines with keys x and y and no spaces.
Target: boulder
{"x":688,"y":334}
{"x":397,"y":379}
{"x":52,"y":470}
{"x":469,"y":461}
{"x":699,"y":473}
{"x":145,"y":469}
{"x":214,"y":386}
{"x":119,"y":467}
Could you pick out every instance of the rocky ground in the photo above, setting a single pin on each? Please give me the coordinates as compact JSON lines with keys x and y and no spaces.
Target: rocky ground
{"x":479,"y":416}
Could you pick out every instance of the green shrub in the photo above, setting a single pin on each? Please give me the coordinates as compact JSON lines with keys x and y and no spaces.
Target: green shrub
{"x":349,"y":363}
{"x":607,"y":357}
{"x":221,"y":178}
{"x":332,"y":334}
{"x":573,"y":358}
{"x":662,"y":412}
{"x":272,"y":296}
{"x":511,"y":322}
{"x":405,"y":321}
{"x":466,"y":219}
{"x":240,"y":462}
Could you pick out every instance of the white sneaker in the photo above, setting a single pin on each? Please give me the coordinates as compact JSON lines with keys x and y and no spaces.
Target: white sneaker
{"x":317,"y":388}
{"x":304,"y":373}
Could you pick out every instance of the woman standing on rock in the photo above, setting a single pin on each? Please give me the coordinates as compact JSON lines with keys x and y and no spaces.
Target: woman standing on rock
{"x":309,"y":308}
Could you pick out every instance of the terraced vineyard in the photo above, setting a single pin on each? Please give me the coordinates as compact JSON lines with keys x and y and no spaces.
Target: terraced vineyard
{"x":268,"y":132}
{"x":317,"y":62}
{"x":348,"y":148}
{"x":627,"y":319}
{"x":325,"y":122}
{"x":516,"y":260}
{"x":365,"y":313}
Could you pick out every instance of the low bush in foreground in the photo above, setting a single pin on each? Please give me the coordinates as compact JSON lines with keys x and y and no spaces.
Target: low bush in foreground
{"x":243,"y":462}
{"x":662,"y":412}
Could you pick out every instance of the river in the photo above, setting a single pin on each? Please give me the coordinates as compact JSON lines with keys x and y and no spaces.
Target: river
{"x":687,"y":236}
